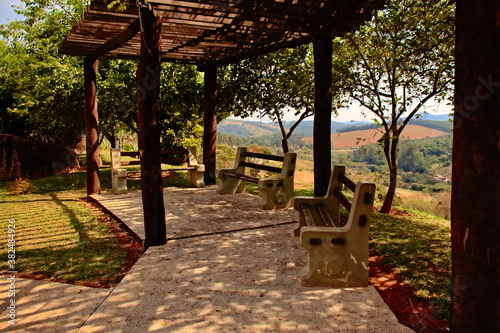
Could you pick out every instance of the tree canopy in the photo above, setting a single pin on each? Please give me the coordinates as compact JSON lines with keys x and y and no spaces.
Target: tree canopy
{"x":395,"y":65}
{"x":41,"y":94}
{"x":270,"y":85}
{"x":42,"y":88}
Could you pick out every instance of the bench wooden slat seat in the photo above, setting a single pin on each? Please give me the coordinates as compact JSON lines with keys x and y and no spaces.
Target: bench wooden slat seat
{"x":275,"y":192}
{"x":119,"y":175}
{"x":337,"y":254}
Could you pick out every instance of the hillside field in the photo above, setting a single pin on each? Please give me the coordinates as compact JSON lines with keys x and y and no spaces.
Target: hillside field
{"x":358,"y":138}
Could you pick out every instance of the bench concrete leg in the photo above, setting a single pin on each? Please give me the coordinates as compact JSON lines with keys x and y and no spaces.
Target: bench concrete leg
{"x":334,"y":260}
{"x":230,"y":185}
{"x":196,"y":177}
{"x":275,"y":193}
{"x":119,"y":181}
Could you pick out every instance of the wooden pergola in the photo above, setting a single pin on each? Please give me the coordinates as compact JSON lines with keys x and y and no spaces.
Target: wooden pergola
{"x":214,"y":33}
{"x":208,"y":34}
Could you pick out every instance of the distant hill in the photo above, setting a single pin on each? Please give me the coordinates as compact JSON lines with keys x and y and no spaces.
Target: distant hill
{"x":358,"y":138}
{"x":435,"y":117}
{"x":245,"y":129}
{"x":445,"y":126}
{"x":248,"y":129}
{"x":423,"y":127}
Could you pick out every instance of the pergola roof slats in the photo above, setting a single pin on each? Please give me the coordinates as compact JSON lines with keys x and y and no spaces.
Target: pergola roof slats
{"x":215,"y":32}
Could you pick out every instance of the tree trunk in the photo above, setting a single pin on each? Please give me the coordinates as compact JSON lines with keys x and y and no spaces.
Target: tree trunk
{"x":210,"y":124}
{"x":284,"y":141}
{"x":148,"y":83}
{"x":322,"y":143}
{"x":475,"y":221}
{"x":92,"y":126}
{"x":111,"y":138}
{"x":391,"y":191}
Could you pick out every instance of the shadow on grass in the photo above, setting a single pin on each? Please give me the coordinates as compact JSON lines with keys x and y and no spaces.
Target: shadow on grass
{"x":73,"y":219}
{"x":420,"y":251}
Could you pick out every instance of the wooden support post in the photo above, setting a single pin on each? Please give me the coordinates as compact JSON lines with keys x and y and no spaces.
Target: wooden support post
{"x":475,"y":221}
{"x":322,"y":114}
{"x":210,"y":124}
{"x":148,"y":82}
{"x":91,"y":125}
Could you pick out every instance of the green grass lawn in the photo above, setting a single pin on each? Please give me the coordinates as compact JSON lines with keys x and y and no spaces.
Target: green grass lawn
{"x":418,"y":246}
{"x":58,"y":237}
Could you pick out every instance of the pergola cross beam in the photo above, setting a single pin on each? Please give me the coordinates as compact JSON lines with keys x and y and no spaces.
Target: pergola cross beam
{"x":117,"y":41}
{"x":203,"y":32}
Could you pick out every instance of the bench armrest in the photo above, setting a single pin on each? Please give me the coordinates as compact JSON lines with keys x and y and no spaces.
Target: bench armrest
{"x":307,"y":200}
{"x":221,"y":171}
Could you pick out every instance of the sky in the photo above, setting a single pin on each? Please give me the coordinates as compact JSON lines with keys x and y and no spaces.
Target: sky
{"x":7,"y":15}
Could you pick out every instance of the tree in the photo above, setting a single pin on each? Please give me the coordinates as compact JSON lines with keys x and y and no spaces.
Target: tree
{"x":270,"y":85}
{"x":396,"y":64}
{"x":117,"y":98}
{"x":182,"y":115}
{"x":411,"y":159}
{"x":42,"y":91}
{"x":46,"y":87}
{"x":10,"y":122}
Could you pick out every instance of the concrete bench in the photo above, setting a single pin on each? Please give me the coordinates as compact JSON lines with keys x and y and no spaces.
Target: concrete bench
{"x":187,"y":156}
{"x":275,"y":192}
{"x":337,"y":253}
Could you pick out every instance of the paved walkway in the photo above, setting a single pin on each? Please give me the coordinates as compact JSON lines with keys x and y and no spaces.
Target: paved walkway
{"x":228,"y":267}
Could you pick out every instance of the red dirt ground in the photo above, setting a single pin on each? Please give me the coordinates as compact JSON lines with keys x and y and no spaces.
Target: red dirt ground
{"x":399,"y":297}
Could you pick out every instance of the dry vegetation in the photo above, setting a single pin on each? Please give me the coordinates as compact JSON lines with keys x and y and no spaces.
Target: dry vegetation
{"x":356,"y":138}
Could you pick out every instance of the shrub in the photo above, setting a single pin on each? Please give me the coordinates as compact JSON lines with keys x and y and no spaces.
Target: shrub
{"x":21,"y":186}
{"x":443,"y":204}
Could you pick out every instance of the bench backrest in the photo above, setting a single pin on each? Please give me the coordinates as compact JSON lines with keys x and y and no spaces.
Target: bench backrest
{"x":183,"y":156}
{"x":364,"y":193}
{"x":287,"y":169}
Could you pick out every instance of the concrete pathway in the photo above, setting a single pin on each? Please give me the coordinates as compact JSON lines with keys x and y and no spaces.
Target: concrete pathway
{"x":42,"y":306}
{"x":227,"y":267}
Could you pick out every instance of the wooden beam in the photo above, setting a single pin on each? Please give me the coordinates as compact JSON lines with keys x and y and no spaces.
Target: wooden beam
{"x":210,"y":124}
{"x":475,"y":221}
{"x":91,"y":126}
{"x":148,"y":83}
{"x":322,"y":114}
{"x":255,"y":52}
{"x":117,"y":41}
